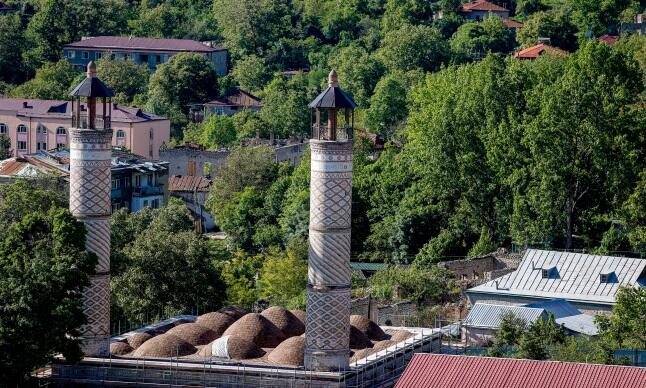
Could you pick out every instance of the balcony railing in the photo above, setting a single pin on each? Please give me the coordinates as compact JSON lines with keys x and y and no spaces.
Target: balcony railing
{"x":320,"y":132}
{"x":145,"y":191}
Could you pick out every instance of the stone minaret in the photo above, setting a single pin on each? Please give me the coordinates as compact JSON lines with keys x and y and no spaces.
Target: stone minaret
{"x":90,"y":186}
{"x":327,"y":333}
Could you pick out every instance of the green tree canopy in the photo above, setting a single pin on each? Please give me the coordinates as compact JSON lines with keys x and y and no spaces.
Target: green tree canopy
{"x":124,"y":77}
{"x":53,"y":81}
{"x":555,"y":25}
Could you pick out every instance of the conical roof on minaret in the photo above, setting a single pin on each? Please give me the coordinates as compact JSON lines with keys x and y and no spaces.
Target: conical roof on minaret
{"x":333,"y":96}
{"x":91,"y":86}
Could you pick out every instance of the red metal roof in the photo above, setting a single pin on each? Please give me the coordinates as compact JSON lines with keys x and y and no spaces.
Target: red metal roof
{"x":188,"y":183}
{"x":135,"y":43}
{"x":482,"y":5}
{"x":536,"y":51}
{"x":448,"y":371}
{"x":610,"y":39}
{"x":512,"y":23}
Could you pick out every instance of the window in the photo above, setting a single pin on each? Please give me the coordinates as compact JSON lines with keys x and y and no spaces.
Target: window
{"x":61,"y":131}
{"x":71,"y":54}
{"x":150,"y":179}
{"x":116,"y":183}
{"x":546,"y":274}
{"x":21,"y":145}
{"x":98,"y":55}
{"x":155,"y":204}
{"x":143,"y":57}
{"x":145,"y":203}
{"x":61,"y":146}
{"x":126,"y":56}
{"x":137,"y":180}
{"x":158,"y":58}
{"x":41,"y":129}
{"x":3,"y":128}
{"x":151,"y":134}
{"x":604,"y":278}
{"x":41,"y":146}
{"x":121,"y":134}
{"x":21,"y":129}
{"x":150,"y":150}
{"x":85,"y":55}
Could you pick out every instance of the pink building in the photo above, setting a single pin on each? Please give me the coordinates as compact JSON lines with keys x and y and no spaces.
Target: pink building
{"x":34,"y":125}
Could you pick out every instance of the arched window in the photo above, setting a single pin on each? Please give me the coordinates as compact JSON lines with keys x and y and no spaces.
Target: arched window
{"x":121,"y":134}
{"x":151,"y":134}
{"x":3,"y":129}
{"x":61,"y":131}
{"x":21,"y":129}
{"x":41,"y":129}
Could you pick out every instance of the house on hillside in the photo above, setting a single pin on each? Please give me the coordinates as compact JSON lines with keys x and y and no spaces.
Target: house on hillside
{"x":588,"y":282}
{"x":481,"y":9}
{"x":40,"y":125}
{"x":536,"y":51}
{"x":151,"y":52}
{"x":233,"y":102}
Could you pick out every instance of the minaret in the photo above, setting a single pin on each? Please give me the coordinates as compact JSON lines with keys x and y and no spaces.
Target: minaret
{"x":327,"y":332}
{"x":90,"y":186}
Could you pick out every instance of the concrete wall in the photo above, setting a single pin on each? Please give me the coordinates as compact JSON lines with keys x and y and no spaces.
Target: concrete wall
{"x":291,"y":153}
{"x":477,"y":336}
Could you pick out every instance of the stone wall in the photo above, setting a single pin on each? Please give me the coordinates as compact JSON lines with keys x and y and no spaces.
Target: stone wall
{"x":483,"y":268}
{"x":184,"y":161}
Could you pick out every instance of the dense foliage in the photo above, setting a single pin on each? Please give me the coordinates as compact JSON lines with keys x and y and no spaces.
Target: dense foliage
{"x":43,"y":270}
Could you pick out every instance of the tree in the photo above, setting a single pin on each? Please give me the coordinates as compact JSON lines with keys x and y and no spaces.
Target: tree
{"x":53,"y":81}
{"x":358,"y":72}
{"x":475,"y":39}
{"x":12,"y":45}
{"x":251,"y":73}
{"x":23,"y":197}
{"x":252,"y":26}
{"x":285,"y":111}
{"x":414,"y":47}
{"x":5,"y":147}
{"x":43,"y":271}
{"x":388,"y":105}
{"x":512,"y":327}
{"x":529,"y":7}
{"x":218,"y":131}
{"x":245,"y":167}
{"x":162,"y":21}
{"x":59,"y":22}
{"x":240,"y":275}
{"x":238,"y":218}
{"x":399,"y":13}
{"x":186,"y":78}
{"x":165,"y":262}
{"x":625,"y":327}
{"x":283,"y":276}
{"x":550,"y":24}
{"x":124,"y":77}
{"x":540,"y":337}
{"x":580,"y":153}
{"x":634,"y":212}
{"x":432,"y":285}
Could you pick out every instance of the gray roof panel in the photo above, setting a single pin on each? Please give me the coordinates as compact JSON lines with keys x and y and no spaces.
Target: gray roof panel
{"x":578,"y":277}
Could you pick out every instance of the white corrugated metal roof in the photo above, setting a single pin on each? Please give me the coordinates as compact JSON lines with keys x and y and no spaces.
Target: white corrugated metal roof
{"x":569,"y":316}
{"x":578,"y":277}
{"x":489,"y":316}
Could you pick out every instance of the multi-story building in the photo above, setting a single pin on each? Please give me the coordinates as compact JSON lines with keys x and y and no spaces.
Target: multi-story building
{"x":137,"y":182}
{"x":39,"y":125}
{"x":147,"y":51}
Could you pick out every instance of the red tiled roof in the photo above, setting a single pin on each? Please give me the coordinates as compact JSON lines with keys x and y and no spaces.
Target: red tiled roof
{"x":610,"y":39}
{"x":482,"y":5}
{"x":135,"y":43}
{"x":535,"y":51}
{"x":188,"y":183}
{"x":448,"y":371}
{"x":59,"y":108}
{"x":512,"y":23}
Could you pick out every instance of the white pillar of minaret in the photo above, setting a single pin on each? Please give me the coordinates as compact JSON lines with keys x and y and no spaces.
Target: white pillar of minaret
{"x":327,"y":330}
{"x":90,"y":186}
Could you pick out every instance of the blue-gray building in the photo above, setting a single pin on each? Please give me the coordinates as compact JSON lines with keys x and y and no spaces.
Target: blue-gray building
{"x":147,"y":51}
